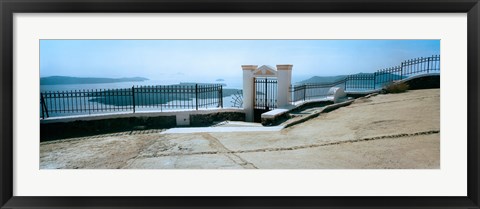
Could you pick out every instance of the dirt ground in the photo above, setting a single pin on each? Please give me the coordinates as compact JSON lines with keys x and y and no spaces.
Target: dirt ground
{"x":400,"y":131}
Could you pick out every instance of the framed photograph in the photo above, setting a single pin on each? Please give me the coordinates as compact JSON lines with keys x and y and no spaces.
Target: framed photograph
{"x":194,"y":104}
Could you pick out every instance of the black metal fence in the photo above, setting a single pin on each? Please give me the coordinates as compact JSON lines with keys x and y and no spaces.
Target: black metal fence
{"x":313,"y":90}
{"x":408,"y":68}
{"x":158,"y":98}
{"x":360,"y":82}
{"x":368,"y":81}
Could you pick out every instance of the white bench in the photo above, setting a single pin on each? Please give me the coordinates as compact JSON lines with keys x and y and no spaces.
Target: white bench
{"x":274,"y":113}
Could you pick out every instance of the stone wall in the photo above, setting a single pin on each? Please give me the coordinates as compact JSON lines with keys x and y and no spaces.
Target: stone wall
{"x":80,"y":128}
{"x":89,"y":126}
{"x":428,"y":82}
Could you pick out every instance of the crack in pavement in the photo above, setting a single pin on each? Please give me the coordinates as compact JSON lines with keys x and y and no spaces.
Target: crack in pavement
{"x":375,"y":103}
{"x":130,"y":161}
{"x":226,"y":151}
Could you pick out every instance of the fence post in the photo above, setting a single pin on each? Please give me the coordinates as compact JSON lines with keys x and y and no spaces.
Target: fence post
{"x":133,"y":98}
{"x":42,"y":103}
{"x":428,"y":64}
{"x":196,"y":96}
{"x":266,"y":94}
{"x":304,"y":92}
{"x":374,"y":80}
{"x":346,"y":79}
{"x":401,"y":71}
{"x":221,"y":96}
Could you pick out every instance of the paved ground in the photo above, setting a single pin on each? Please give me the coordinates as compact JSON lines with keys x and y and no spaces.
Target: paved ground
{"x":384,"y":131}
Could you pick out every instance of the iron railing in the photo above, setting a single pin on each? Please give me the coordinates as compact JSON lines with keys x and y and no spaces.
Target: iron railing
{"x":368,"y":81}
{"x":313,"y":90}
{"x":158,"y":98}
{"x":360,"y":82}
{"x":265,"y":93}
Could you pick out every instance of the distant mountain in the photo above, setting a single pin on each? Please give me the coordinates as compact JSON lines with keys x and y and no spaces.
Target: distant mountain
{"x":380,"y":78}
{"x":323,"y":79}
{"x":59,"y":80}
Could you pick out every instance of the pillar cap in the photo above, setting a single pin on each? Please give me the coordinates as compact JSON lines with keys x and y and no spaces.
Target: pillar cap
{"x":249,"y":67}
{"x":284,"y":67}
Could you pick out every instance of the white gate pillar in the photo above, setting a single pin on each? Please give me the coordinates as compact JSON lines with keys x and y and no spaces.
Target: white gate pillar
{"x":284,"y":78}
{"x":248,"y":88}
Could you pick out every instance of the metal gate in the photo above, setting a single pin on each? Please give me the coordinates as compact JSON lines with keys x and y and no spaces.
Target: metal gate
{"x":265,"y":97}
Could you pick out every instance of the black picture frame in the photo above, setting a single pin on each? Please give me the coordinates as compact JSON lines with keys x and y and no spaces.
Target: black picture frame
{"x":9,"y":7}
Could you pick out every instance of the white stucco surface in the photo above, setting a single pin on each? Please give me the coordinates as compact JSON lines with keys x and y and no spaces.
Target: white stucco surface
{"x":221,"y":129}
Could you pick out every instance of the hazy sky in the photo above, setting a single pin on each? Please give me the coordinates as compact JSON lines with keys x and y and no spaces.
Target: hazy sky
{"x":200,"y":60}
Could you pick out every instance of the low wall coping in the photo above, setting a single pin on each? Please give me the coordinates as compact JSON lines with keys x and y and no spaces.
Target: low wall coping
{"x":277,"y":112}
{"x":136,"y":114}
{"x":418,"y":76}
{"x":273,"y":113}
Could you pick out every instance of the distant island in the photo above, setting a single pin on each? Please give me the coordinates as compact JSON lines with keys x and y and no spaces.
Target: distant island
{"x":193,"y":84}
{"x":62,"y":80}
